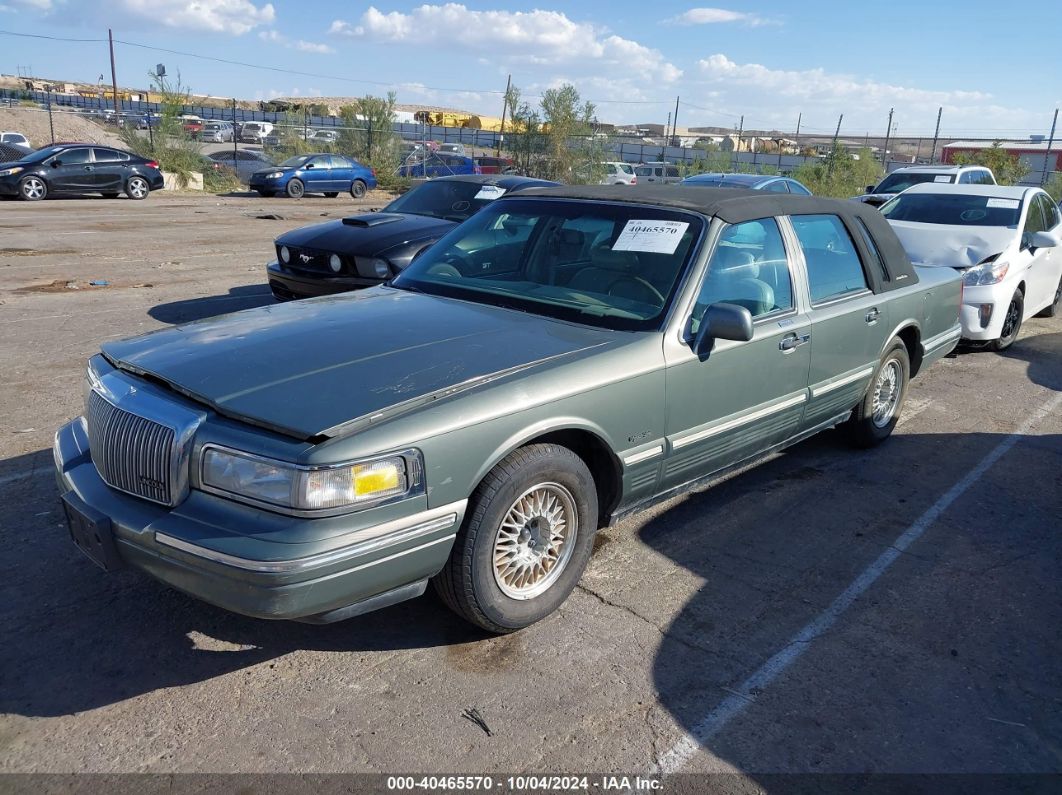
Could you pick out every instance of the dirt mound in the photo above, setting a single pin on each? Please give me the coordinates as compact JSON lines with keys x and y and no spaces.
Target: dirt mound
{"x":33,"y":123}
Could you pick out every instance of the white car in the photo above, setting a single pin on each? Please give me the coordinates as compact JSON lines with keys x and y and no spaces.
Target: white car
{"x":324,"y":137}
{"x":1004,"y":240}
{"x":453,"y":149}
{"x":903,"y":178}
{"x":8,"y":137}
{"x":657,"y":171}
{"x":617,"y":173}
{"x":254,"y":132}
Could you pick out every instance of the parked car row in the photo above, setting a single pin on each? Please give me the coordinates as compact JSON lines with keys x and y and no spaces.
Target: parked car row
{"x":78,"y":169}
{"x":541,"y":361}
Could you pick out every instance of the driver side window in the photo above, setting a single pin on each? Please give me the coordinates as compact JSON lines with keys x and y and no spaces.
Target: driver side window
{"x":748,"y":268}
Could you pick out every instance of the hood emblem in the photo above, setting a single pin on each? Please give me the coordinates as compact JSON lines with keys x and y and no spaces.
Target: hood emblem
{"x":305,"y":257}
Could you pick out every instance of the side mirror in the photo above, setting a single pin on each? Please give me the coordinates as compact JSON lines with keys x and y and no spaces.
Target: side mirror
{"x":870,"y":188}
{"x":309,"y":166}
{"x":723,"y":321}
{"x":1044,"y":240}
{"x":56,"y":163}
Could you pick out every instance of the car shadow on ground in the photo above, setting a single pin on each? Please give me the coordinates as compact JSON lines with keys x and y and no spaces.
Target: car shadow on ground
{"x":1044,"y":355}
{"x":187,"y":310}
{"x":76,"y":638}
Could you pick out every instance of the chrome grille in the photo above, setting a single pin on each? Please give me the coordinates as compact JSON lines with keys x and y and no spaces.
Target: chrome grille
{"x":131,"y":453}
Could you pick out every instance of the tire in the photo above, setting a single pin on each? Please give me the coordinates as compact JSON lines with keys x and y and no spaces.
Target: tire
{"x":875,"y":417}
{"x":32,"y":189}
{"x":137,"y":188}
{"x":1056,"y":305}
{"x":1011,"y":323}
{"x":357,"y":189}
{"x":331,"y":194}
{"x":505,"y":601}
{"x":111,"y":195}
{"x":296,"y":189}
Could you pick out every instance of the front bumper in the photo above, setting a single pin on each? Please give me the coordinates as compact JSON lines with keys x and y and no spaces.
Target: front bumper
{"x":287,"y":284}
{"x":263,"y":575}
{"x":9,"y":186}
{"x":984,"y":310}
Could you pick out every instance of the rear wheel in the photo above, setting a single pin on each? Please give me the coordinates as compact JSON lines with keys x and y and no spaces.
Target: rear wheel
{"x":525,"y":540}
{"x":357,"y":189}
{"x":137,"y":188}
{"x":32,"y":189}
{"x":1056,"y":305}
{"x":1011,"y":323}
{"x":296,"y":189}
{"x":876,"y":416}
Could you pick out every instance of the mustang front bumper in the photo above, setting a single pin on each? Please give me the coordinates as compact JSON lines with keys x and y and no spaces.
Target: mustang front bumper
{"x":193,"y":547}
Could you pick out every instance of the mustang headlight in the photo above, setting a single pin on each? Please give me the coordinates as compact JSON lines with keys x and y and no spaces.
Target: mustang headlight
{"x":372,"y":267}
{"x":285,"y":254}
{"x":312,"y":489}
{"x":7,"y":172}
{"x":985,"y":273}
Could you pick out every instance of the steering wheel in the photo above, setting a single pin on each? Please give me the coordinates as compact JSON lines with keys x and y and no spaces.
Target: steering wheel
{"x":640,"y":282}
{"x":445,"y":269}
{"x":459,"y":262}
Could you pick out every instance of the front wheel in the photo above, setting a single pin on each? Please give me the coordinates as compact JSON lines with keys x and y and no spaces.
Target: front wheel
{"x":876,"y":416}
{"x":296,"y":189}
{"x":525,"y":540}
{"x":357,"y":189}
{"x":1011,"y":323}
{"x":137,"y":188}
{"x":32,"y":189}
{"x":1056,"y":305}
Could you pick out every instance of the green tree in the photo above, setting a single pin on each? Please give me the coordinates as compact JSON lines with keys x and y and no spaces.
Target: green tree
{"x":572,"y":154}
{"x":1008,"y":168}
{"x":840,"y":174}
{"x":168,"y":142}
{"x":368,"y":133}
{"x":1054,"y":186}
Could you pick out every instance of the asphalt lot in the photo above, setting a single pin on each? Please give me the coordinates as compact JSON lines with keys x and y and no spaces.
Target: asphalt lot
{"x":832,"y":611}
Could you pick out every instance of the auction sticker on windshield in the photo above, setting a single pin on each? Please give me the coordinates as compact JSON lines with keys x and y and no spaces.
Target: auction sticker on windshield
{"x":490,"y":192}
{"x":656,"y":237}
{"x":1003,"y":204}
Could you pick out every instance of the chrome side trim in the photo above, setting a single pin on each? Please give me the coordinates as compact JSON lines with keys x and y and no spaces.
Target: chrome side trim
{"x":931,"y":344}
{"x":373,"y":538}
{"x":738,"y":421}
{"x":822,"y":389}
{"x":645,"y":455}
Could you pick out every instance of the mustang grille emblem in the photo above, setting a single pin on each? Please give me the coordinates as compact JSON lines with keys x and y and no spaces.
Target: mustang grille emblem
{"x":305,"y":257}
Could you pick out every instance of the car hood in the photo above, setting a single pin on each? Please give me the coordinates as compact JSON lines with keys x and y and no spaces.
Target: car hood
{"x":951,"y":246}
{"x":327,"y":366}
{"x":366,"y":235}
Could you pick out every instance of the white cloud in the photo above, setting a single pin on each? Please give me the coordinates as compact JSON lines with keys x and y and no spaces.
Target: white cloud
{"x":309,"y":46}
{"x":215,"y":16}
{"x":715,"y":16}
{"x":536,"y":37}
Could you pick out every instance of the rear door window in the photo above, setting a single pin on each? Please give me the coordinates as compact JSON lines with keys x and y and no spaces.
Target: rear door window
{"x":834,"y":267}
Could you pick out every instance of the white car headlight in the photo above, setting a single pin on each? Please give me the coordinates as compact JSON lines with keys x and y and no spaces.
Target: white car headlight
{"x":335,"y":263}
{"x":285,"y":254}
{"x":7,"y":172}
{"x":985,"y":273}
{"x":285,"y":485}
{"x":372,"y":267}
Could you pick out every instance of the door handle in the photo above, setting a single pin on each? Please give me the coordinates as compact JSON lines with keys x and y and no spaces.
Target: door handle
{"x":873,"y":315}
{"x":792,"y":341}
{"x":88,"y":168}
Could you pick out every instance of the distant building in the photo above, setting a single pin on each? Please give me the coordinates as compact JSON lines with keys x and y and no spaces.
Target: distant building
{"x":1032,"y":150}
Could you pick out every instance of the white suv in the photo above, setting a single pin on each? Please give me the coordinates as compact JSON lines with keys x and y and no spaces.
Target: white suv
{"x":903,"y":178}
{"x":617,"y":173}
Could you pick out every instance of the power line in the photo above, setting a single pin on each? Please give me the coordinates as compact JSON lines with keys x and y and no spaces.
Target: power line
{"x":50,"y":38}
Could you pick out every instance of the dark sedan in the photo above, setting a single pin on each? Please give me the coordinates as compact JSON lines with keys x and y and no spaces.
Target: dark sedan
{"x":244,"y":162}
{"x":363,"y":250}
{"x":80,"y":169}
{"x":769,"y":183}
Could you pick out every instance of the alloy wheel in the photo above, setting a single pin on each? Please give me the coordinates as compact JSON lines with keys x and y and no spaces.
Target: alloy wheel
{"x":535,"y":541}
{"x":887,"y":390}
{"x":33,"y":188}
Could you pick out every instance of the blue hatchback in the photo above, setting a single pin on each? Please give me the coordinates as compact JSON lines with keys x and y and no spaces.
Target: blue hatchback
{"x":320,"y":173}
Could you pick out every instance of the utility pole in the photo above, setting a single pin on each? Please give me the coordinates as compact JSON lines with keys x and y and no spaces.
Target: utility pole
{"x":667,"y":134}
{"x":737,"y":149}
{"x":235,"y":137}
{"x":888,"y":134}
{"x":674,"y":123}
{"x":833,"y":149}
{"x":1047,"y":154}
{"x":114,"y":79}
{"x":936,"y":135}
{"x":505,"y":107}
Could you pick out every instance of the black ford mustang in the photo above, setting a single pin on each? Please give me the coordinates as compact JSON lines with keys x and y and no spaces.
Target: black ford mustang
{"x":363,"y":250}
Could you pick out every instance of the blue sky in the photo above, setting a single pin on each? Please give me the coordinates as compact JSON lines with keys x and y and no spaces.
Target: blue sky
{"x":768,"y":60}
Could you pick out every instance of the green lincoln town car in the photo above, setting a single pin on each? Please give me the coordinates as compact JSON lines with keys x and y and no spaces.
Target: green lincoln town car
{"x":562,"y":358}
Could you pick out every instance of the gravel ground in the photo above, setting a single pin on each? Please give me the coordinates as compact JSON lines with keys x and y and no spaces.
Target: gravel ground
{"x":33,"y":123}
{"x":717,"y":633}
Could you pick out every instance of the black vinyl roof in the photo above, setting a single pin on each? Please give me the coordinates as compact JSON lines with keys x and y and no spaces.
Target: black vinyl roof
{"x":737,"y":205}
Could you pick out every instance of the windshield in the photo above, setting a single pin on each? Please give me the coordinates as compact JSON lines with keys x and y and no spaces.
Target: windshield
{"x":896,"y":182}
{"x":42,"y":154}
{"x":953,"y":209}
{"x":454,"y":200}
{"x":608,"y":265}
{"x":626,"y":168}
{"x":295,"y":162}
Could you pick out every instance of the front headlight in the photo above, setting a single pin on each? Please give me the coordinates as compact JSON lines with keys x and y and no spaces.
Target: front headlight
{"x":285,"y":254}
{"x":335,"y":263}
{"x":285,"y":485}
{"x":7,"y":172}
{"x":372,"y":267}
{"x":274,"y":175}
{"x":985,"y":273}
